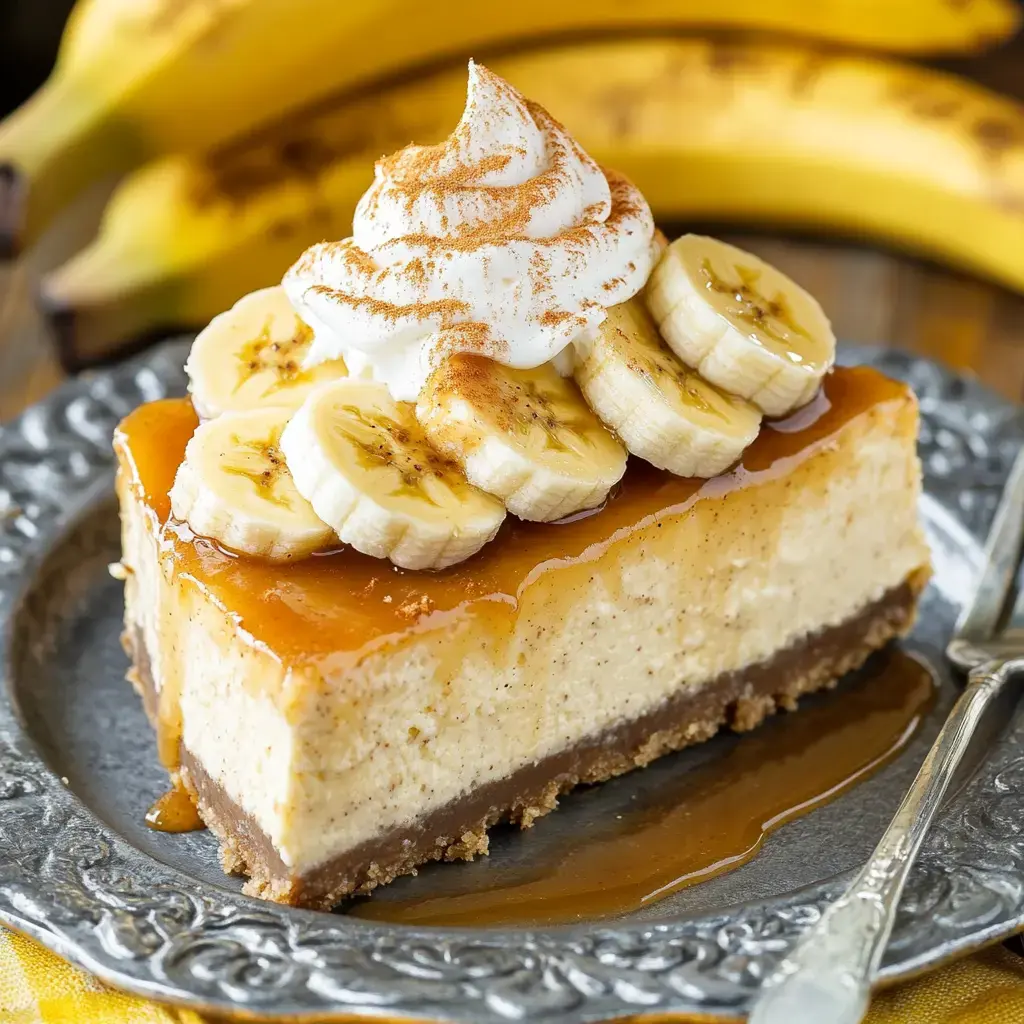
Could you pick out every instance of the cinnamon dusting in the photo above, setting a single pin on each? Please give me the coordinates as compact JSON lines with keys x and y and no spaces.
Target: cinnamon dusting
{"x":413,"y":173}
{"x":528,"y":406}
{"x":478,"y":200}
{"x":444,"y":309}
{"x":397,"y":447}
{"x":559,"y":317}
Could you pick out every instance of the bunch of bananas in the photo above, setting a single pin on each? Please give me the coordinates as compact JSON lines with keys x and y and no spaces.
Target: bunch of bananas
{"x":248,"y":129}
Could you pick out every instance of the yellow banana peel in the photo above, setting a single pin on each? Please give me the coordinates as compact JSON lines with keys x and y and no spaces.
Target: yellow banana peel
{"x":748,"y":132}
{"x":137,"y":80}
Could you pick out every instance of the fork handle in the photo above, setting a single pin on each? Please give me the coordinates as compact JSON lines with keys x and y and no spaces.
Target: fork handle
{"x":827,"y":975}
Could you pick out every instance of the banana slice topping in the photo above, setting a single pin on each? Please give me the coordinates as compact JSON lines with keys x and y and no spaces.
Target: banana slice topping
{"x":525,"y":436}
{"x":663,"y":411}
{"x":234,"y":487}
{"x":290,"y":458}
{"x":364,"y":464}
{"x":252,"y":355}
{"x":741,"y":323}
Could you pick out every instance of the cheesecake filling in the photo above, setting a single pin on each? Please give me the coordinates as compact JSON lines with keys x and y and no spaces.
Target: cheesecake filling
{"x":458,"y":830}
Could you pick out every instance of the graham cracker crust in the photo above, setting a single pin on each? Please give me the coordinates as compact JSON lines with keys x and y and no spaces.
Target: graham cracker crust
{"x":738,"y":700}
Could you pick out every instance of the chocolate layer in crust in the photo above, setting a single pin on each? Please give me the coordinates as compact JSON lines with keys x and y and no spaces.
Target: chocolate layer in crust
{"x":458,"y":831}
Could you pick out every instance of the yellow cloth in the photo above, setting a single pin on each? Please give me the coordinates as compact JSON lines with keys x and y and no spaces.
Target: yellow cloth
{"x":37,"y":987}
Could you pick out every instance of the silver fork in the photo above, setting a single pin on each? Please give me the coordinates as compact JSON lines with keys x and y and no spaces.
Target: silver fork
{"x":827,"y":976}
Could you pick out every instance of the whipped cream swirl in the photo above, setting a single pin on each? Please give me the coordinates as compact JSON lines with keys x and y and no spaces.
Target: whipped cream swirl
{"x":506,"y":240}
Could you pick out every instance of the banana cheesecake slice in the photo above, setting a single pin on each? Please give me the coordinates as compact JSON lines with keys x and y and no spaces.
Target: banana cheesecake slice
{"x":339,"y":721}
{"x":502,"y":494}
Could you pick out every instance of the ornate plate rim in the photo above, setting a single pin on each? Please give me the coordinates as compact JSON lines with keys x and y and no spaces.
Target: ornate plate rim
{"x":148,"y":929}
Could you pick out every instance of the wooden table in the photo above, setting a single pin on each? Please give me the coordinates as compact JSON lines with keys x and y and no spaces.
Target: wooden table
{"x":28,"y":368}
{"x":873,"y":296}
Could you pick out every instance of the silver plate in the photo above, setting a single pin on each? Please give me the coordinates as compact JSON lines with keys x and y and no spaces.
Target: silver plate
{"x":153,"y":914}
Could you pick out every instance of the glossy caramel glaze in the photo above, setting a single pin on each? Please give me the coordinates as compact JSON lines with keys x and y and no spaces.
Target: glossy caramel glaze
{"x":174,"y":812}
{"x":713,"y":820}
{"x":342,"y":602}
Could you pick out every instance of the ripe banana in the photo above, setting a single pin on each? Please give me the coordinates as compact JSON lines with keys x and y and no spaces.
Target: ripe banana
{"x":234,"y":487}
{"x":252,"y":355}
{"x":135,"y":80}
{"x":742,"y":324}
{"x":665,"y":413}
{"x":753,"y":132}
{"x":525,"y":436}
{"x":364,"y":464}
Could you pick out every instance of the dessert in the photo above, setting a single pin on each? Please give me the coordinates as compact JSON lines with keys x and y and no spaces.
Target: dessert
{"x":402,"y":580}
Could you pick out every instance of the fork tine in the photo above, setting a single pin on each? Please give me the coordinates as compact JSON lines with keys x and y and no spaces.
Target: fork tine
{"x":980,"y":619}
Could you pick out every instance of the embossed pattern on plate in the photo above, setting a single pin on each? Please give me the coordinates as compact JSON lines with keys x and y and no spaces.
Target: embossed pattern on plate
{"x":76,"y":884}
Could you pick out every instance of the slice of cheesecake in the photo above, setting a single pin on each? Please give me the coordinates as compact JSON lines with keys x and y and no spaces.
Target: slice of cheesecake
{"x":339,"y":721}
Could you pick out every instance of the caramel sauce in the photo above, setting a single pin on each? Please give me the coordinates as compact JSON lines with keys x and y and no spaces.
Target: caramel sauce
{"x":342,"y":602}
{"x":712,"y":821}
{"x":174,"y":812}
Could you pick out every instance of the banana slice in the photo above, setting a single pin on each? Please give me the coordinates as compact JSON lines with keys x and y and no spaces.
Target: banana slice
{"x":252,"y":355}
{"x":741,"y":323}
{"x":366,"y":467}
{"x":525,"y":436}
{"x":235,"y":488}
{"x":665,"y":413}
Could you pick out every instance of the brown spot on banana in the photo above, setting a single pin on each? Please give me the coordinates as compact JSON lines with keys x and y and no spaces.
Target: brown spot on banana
{"x":938,"y":108}
{"x":620,"y":106}
{"x":726,"y":56}
{"x":305,"y":147}
{"x":997,"y":136}
{"x":807,"y":72}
